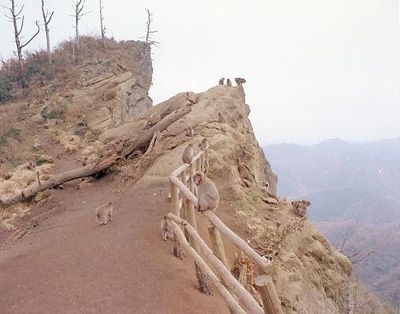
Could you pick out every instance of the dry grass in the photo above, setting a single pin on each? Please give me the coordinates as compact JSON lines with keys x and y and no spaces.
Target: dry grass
{"x":33,"y":77}
{"x":9,"y":216}
{"x":110,"y":94}
{"x":272,"y":240}
{"x":21,"y":178}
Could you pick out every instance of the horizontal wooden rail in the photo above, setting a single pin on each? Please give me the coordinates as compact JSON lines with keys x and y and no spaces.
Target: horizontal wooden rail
{"x":260,"y":261}
{"x":229,"y":299}
{"x":182,"y":168}
{"x":184,"y":189}
{"x":230,"y":288}
{"x":243,"y":295}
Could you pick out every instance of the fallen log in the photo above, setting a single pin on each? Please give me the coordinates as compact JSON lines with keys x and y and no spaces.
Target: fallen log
{"x":119,"y":149}
{"x":144,"y":136}
{"x":61,"y":178}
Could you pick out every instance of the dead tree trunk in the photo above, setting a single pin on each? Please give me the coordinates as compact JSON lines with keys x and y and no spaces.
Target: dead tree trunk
{"x":102,"y":26}
{"x":78,"y":8}
{"x":149,"y":31}
{"x":47,"y":16}
{"x":145,"y":136}
{"x":15,"y":18}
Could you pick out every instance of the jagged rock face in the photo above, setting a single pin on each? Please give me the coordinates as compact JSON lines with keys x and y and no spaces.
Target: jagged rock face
{"x":311,"y":276}
{"x":237,"y":162}
{"x":112,"y":93}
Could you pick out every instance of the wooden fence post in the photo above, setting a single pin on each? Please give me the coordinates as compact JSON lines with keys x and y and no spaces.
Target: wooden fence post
{"x":191,"y":218}
{"x":265,"y":286}
{"x":175,"y":199}
{"x":198,"y":164}
{"x":233,"y":305}
{"x":206,"y":161}
{"x":218,"y":245}
{"x":175,"y":204}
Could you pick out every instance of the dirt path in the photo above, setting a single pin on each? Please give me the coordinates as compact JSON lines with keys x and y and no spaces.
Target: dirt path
{"x":68,"y":264}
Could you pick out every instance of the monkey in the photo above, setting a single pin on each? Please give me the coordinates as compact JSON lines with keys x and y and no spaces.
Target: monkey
{"x":104,"y":213}
{"x":191,"y":98}
{"x":206,"y":191}
{"x":188,"y":153}
{"x":221,"y":81}
{"x":240,"y":81}
{"x":204,"y":144}
{"x":205,"y":164}
{"x":30,"y":166}
{"x":300,"y":207}
{"x":228,"y":82}
{"x":189,"y":132}
{"x":165,"y":231}
{"x":265,"y":186}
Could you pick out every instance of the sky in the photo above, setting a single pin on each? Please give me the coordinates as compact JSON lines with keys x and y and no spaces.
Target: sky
{"x":315,"y":69}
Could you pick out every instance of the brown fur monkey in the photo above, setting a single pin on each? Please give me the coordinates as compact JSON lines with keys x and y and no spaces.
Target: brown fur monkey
{"x":228,"y":82}
{"x":189,"y":132}
{"x":104,"y":213}
{"x":206,"y":191}
{"x":188,"y":153}
{"x":240,"y":81}
{"x":166,"y":233}
{"x":300,"y":207}
{"x":221,"y":81}
{"x":265,"y":186}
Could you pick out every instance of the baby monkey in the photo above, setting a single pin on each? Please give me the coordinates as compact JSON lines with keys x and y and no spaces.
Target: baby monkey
{"x":104,"y":213}
{"x":206,"y":191}
{"x":166,"y":233}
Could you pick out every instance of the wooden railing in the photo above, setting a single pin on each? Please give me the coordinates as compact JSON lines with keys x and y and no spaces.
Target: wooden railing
{"x":186,"y":237}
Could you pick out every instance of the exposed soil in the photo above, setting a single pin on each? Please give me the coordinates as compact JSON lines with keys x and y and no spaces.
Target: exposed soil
{"x":69,"y":264}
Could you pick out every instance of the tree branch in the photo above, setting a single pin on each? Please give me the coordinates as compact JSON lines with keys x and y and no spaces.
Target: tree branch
{"x":37,"y":32}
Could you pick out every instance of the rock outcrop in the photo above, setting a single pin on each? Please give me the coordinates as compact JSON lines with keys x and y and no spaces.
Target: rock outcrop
{"x":311,"y":276}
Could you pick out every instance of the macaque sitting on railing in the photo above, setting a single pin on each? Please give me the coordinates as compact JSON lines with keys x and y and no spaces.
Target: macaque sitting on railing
{"x":206,"y":192}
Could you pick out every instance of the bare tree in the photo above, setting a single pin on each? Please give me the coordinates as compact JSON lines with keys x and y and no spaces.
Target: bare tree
{"x":102,"y":26}
{"x":46,"y":20}
{"x":149,"y":31}
{"x":78,"y":8}
{"x":355,"y":256}
{"x":359,"y":256}
{"x":17,"y":18}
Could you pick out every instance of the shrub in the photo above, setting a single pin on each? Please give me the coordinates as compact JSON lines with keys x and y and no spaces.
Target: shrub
{"x":5,"y":89}
{"x":55,"y":114}
{"x":11,"y":133}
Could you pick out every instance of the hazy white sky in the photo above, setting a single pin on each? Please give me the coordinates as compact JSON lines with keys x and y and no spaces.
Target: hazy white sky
{"x":315,"y":69}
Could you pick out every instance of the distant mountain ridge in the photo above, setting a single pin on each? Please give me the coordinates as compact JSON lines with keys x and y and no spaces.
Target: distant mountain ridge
{"x":354,"y":180}
{"x":354,"y":189}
